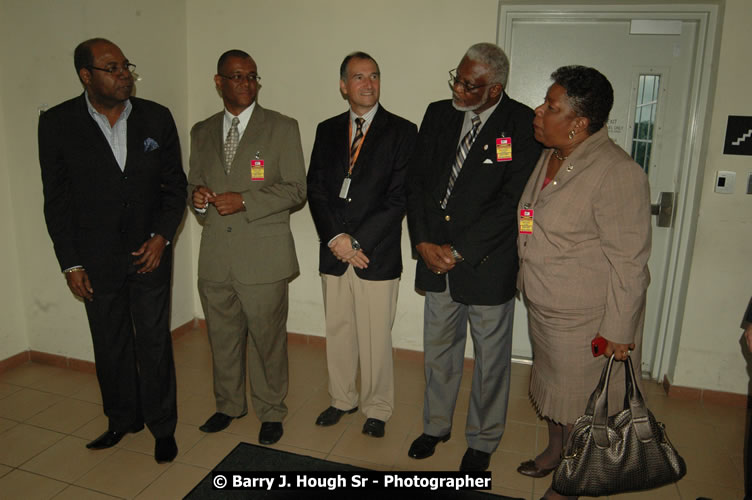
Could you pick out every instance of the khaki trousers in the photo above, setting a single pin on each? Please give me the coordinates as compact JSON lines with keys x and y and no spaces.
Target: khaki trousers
{"x":359,"y":318}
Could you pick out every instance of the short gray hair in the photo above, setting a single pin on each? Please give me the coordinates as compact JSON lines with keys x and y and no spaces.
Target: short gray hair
{"x":492,"y":56}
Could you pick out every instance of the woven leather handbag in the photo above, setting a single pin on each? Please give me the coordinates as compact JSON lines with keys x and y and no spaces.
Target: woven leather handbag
{"x":626,"y":452}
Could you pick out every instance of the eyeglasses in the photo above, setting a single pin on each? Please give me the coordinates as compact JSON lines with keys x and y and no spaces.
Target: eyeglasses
{"x":237,"y":77}
{"x":466,"y":87}
{"x":116,"y":69}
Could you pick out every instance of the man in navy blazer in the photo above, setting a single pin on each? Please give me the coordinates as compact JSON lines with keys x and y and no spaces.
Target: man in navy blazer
{"x":357,"y":199}
{"x":114,"y":195}
{"x":473,"y":157}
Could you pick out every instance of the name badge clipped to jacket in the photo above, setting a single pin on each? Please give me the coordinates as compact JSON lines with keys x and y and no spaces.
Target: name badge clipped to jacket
{"x":257,"y":170}
{"x":526,"y":221}
{"x":504,"y":149}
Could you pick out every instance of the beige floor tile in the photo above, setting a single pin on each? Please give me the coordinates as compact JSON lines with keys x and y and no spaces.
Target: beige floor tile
{"x":712,"y":467}
{"x":410,"y":392}
{"x":521,"y":410}
{"x":503,"y":490}
{"x":109,"y":477}
{"x":89,"y":391}
{"x":22,"y":484}
{"x":359,"y":446}
{"x":4,"y":469}
{"x":195,"y":410}
{"x":78,"y":493}
{"x":692,"y":434}
{"x":175,"y":482}
{"x":447,"y":456}
{"x":6,"y":424}
{"x":22,"y":442}
{"x":192,"y":380}
{"x":26,"y":403}
{"x":27,"y":374}
{"x":210,"y":450}
{"x":520,"y":438}
{"x":66,"y":460}
{"x":66,"y":416}
{"x":93,"y":428}
{"x":519,"y":386}
{"x":521,"y":370}
{"x":690,"y":489}
{"x":8,"y":389}
{"x":63,"y":381}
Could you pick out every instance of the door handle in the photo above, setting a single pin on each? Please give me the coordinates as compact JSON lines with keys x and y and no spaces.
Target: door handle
{"x":664,"y":209}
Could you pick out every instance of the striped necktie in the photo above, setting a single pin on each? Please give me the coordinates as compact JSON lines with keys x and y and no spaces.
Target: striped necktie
{"x":231,"y":143}
{"x":459,"y":158}
{"x":358,"y":138}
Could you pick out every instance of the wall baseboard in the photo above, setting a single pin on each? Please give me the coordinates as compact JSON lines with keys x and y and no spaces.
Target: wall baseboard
{"x":672,"y":391}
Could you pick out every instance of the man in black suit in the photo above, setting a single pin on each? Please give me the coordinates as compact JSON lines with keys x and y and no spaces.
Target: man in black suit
{"x":357,"y":199}
{"x":473,"y":157}
{"x":114,"y":195}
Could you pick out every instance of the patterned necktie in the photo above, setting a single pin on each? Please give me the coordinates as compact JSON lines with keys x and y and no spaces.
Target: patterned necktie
{"x":459,"y":158}
{"x":231,"y":143}
{"x":358,"y":138}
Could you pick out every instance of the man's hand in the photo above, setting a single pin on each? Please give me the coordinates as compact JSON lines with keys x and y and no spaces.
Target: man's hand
{"x":202,"y":196}
{"x":619,"y":350}
{"x":341,"y":248}
{"x":151,"y":254}
{"x":79,"y":284}
{"x":228,"y":203}
{"x":439,"y":259}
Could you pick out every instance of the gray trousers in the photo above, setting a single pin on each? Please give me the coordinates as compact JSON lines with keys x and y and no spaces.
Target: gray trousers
{"x":444,"y":335}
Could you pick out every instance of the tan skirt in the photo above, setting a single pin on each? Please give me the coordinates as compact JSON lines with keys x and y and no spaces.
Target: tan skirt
{"x":565,"y":372}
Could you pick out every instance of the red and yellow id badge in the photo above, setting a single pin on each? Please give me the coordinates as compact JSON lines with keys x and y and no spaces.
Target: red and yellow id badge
{"x":526,"y":221}
{"x":257,"y":170}
{"x":504,"y":149}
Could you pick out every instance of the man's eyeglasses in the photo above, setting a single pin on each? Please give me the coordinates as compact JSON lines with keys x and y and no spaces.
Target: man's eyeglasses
{"x":116,"y":69}
{"x":237,"y":77}
{"x":466,"y":87}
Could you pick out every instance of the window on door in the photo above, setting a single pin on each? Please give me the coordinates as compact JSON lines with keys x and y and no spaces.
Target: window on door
{"x":645,"y":113}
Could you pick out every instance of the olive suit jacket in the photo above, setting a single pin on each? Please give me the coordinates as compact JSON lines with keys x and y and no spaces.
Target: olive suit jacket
{"x":254,"y":246}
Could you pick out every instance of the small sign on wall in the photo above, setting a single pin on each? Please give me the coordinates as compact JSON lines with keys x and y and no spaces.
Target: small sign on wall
{"x":738,"y":136}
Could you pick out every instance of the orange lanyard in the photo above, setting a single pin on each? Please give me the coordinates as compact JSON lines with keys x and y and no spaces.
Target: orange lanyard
{"x":354,"y":158}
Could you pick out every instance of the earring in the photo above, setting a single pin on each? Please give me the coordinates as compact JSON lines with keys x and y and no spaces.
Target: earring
{"x":571,"y":134}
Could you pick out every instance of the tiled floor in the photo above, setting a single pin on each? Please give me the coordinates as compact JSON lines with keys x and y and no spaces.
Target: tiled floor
{"x":47,"y":414}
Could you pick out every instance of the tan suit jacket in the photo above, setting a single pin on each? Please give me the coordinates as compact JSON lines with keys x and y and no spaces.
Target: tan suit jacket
{"x":255,"y":246}
{"x":591,"y":237}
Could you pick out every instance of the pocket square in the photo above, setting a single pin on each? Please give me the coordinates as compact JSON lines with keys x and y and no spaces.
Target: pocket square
{"x":487,"y":161}
{"x":150,"y":145}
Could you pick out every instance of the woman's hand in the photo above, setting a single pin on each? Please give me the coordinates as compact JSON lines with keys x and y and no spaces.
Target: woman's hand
{"x":620,"y":351}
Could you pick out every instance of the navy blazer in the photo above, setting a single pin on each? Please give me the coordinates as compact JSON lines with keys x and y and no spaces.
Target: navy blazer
{"x":375,"y":204}
{"x":480,"y":216}
{"x":97,"y":214}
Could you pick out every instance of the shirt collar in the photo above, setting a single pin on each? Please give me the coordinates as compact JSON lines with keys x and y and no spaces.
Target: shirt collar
{"x":244,"y":117}
{"x":94,"y":113}
{"x":368,"y":117}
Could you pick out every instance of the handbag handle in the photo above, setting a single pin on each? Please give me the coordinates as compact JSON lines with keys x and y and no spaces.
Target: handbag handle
{"x":598,"y":406}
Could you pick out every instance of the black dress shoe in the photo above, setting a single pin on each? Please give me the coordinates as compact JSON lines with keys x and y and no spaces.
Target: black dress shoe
{"x":217,"y":422}
{"x":530,"y":469}
{"x":331,"y":416}
{"x":270,"y":432}
{"x":424,"y":446}
{"x":165,"y":450}
{"x":374,"y":427}
{"x":110,"y":438}
{"x":475,"y":461}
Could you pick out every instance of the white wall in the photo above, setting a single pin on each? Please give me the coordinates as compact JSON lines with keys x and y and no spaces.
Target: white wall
{"x":298,"y":45}
{"x":36,"y":49}
{"x":720,"y":282}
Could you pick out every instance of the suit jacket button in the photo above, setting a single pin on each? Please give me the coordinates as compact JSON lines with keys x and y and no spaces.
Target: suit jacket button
{"x":447,"y":218}
{"x":229,"y":229}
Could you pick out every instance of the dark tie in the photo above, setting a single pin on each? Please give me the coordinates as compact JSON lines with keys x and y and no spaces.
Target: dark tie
{"x":358,"y":138}
{"x":459,"y":158}
{"x":231,"y":143}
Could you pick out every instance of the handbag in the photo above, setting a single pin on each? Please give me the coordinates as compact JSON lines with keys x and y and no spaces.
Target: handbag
{"x":629,"y":451}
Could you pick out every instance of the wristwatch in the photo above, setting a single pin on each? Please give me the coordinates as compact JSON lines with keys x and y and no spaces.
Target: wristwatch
{"x":354,"y":243}
{"x":456,"y":255}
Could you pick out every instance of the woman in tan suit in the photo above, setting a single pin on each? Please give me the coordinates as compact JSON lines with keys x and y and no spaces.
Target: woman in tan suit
{"x":584,"y":243}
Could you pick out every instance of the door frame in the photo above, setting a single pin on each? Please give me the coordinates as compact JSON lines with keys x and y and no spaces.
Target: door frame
{"x":693,"y":150}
